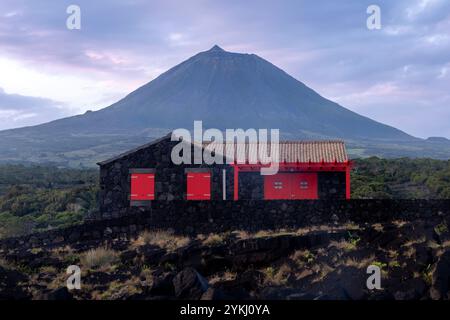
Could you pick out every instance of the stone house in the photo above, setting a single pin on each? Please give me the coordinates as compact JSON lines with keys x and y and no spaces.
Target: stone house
{"x":307,"y":170}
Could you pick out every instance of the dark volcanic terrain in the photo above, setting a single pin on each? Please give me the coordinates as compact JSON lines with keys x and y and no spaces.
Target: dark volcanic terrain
{"x":323,"y":262}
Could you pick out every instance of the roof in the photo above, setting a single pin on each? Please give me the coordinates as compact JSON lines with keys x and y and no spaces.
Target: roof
{"x":291,"y":151}
{"x":124,"y":154}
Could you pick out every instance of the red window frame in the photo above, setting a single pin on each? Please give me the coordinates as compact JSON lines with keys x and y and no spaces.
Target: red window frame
{"x":142,"y":186}
{"x":198,"y":185}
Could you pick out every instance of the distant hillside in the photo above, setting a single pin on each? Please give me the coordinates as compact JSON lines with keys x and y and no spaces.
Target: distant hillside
{"x":225,"y":90}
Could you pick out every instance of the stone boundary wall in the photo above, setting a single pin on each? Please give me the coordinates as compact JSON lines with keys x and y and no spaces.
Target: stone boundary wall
{"x":193,"y":217}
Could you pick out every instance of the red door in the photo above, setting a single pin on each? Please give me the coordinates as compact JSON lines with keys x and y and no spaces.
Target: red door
{"x":142,"y":186}
{"x":198,"y":186}
{"x":304,"y":186}
{"x":293,"y":186}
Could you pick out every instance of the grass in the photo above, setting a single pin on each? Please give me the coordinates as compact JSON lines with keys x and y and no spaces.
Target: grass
{"x":99,"y":258}
{"x":244,"y":235}
{"x":399,"y":223}
{"x":379,"y":264}
{"x":359,"y":264}
{"x":378,"y":227}
{"x":345,"y":245}
{"x":116,"y":289}
{"x":441,"y":228}
{"x":446,"y":244}
{"x":241,"y":234}
{"x":161,"y":238}
{"x":419,"y":240}
{"x":302,"y":257}
{"x":146,"y":275}
{"x":427,"y":275}
{"x":277,"y":276}
{"x":394,"y":264}
{"x":214,"y":240}
{"x":66,"y":254}
{"x":227,"y":275}
{"x":48,"y":269}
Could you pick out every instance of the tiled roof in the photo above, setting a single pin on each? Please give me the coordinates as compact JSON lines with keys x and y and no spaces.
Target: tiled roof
{"x":291,"y":151}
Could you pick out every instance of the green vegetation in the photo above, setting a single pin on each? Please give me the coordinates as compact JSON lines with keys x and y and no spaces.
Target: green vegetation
{"x":379,"y":264}
{"x":405,"y":178}
{"x":40,"y":198}
{"x":352,"y":242}
{"x":441,"y":228}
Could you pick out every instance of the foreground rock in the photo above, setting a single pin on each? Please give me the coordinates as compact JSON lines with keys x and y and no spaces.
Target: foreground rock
{"x":328,"y":263}
{"x":10,"y":281}
{"x":189,"y":284}
{"x":440,"y":288}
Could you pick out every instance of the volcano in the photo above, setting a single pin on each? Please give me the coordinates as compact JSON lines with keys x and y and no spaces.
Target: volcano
{"x":224,"y":90}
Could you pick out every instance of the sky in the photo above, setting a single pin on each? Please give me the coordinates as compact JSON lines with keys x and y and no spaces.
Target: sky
{"x":398,"y":74}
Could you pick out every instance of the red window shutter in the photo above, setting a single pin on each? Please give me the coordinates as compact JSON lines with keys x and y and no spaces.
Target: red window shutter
{"x":304,"y":186}
{"x":291,"y":186}
{"x":142,"y":186}
{"x":277,"y":187}
{"x":198,"y":186}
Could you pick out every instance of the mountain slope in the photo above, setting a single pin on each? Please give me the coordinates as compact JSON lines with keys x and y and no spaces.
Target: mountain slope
{"x":228,"y":90}
{"x":224,"y":89}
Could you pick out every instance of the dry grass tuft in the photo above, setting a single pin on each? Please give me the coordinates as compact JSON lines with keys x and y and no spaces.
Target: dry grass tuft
{"x":241,"y":234}
{"x":302,"y":257}
{"x":359,"y":264}
{"x":118,"y":289}
{"x":214,"y":239}
{"x":161,"y":238}
{"x":219,"y":277}
{"x":378,"y":227}
{"x":344,"y":245}
{"x":277,"y":277}
{"x":399,"y":223}
{"x":99,"y":258}
{"x":262,"y":233}
{"x":446,"y":244}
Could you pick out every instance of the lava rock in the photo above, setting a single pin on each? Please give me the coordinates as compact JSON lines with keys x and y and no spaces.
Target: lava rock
{"x":9,"y":288}
{"x":189,"y":284}
{"x":214,"y":294}
{"x":441,"y":278}
{"x":151,"y":254}
{"x":58,"y":294}
{"x":163,"y":285}
{"x":128,"y":256}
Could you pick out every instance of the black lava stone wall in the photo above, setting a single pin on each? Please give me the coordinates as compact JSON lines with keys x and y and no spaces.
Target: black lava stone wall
{"x":194,"y":217}
{"x":331,"y":185}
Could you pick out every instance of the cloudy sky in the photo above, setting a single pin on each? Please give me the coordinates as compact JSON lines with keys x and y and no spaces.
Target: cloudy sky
{"x":399,"y":75}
